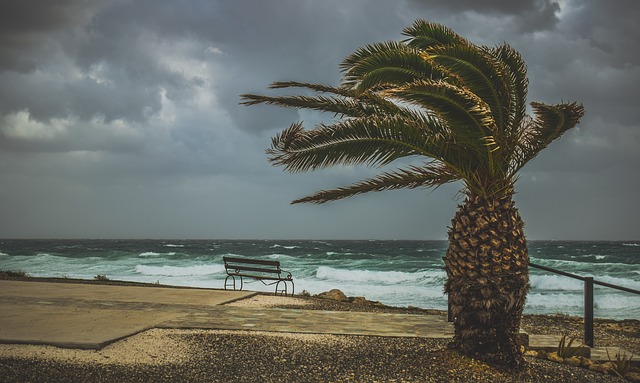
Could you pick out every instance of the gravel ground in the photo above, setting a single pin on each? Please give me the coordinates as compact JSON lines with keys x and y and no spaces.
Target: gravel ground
{"x":223,"y":356}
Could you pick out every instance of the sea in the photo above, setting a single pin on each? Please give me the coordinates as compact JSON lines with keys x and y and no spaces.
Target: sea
{"x":396,"y":273}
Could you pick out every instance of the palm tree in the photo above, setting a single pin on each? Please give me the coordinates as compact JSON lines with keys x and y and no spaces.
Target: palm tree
{"x":461,"y":107}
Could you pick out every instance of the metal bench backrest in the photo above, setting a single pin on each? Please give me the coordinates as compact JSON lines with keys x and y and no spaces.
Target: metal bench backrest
{"x":236,"y":265}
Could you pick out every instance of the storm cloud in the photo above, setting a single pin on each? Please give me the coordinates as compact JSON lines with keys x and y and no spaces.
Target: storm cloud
{"x":122,"y":119}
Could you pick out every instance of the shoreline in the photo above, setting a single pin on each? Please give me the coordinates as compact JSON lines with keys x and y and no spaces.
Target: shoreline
{"x":195,"y":355}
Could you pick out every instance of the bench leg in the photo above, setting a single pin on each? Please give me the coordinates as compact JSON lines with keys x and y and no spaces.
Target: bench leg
{"x":232,"y":285}
{"x":281,"y":291}
{"x":284,"y":291}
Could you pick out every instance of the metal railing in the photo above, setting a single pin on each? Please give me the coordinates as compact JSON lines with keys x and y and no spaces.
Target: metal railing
{"x":588,"y":297}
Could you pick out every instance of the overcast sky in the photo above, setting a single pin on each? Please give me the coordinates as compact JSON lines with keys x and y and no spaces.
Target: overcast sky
{"x":121,"y":119}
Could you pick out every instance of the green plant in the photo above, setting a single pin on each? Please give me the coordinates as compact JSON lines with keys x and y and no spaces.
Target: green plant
{"x":101,"y":277}
{"x":621,"y":365}
{"x":565,"y":350}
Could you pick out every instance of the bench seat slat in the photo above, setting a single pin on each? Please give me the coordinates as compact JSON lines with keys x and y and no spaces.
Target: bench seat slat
{"x":256,"y":269}
{"x":251,"y":261}
{"x":263,"y":277}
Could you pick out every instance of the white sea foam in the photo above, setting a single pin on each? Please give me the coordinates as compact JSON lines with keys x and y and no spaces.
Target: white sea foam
{"x":624,"y":282}
{"x":554,"y":303}
{"x":555,"y":283}
{"x":631,"y":244}
{"x":172,"y":245}
{"x":279,"y":256}
{"x":149,"y":254}
{"x":179,"y":271}
{"x":284,"y":247}
{"x":368,"y":276}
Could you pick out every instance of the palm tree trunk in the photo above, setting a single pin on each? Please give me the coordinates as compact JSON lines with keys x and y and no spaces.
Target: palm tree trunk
{"x":487,"y":267}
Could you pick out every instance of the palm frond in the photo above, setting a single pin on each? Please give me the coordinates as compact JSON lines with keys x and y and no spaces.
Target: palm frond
{"x":478,"y":71}
{"x":468,"y":116}
{"x":430,"y":175}
{"x":341,"y":107}
{"x":424,"y":35}
{"x":385,"y":64}
{"x":374,"y":141}
{"x":515,"y":76}
{"x":551,"y":122}
{"x":435,"y":95}
{"x":518,"y":83}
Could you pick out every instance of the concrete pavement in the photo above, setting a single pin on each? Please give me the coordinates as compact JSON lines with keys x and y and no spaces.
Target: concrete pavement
{"x":90,"y":316}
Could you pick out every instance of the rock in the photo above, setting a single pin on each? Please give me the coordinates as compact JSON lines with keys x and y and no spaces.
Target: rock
{"x":553,"y":356}
{"x":542,"y":354}
{"x":633,"y":376}
{"x":334,"y":294}
{"x":573,"y":361}
{"x":532,"y":353}
{"x":360,"y":301}
{"x":585,"y":362}
{"x":600,"y":367}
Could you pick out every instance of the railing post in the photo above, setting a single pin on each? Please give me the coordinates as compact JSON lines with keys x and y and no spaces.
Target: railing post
{"x":588,"y":311}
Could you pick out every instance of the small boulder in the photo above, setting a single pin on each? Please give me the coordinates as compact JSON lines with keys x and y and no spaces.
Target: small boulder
{"x":553,"y":356}
{"x":360,"y":301}
{"x":600,"y":367}
{"x":573,"y":361}
{"x":334,"y":294}
{"x":585,"y":362}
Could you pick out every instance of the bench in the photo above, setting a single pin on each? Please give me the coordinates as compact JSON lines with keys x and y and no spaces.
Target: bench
{"x":258,"y":269}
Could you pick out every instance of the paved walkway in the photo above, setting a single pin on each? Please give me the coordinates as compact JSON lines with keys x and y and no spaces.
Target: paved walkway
{"x":90,"y":316}
{"x":315,"y":322}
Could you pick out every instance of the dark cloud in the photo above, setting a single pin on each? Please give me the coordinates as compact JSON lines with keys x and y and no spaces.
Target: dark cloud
{"x":27,"y":25}
{"x":527,"y":16}
{"x":128,"y":111}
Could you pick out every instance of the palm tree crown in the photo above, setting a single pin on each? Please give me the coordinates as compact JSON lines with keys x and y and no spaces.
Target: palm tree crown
{"x":434,"y":95}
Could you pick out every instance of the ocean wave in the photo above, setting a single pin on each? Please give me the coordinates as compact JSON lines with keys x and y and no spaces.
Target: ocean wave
{"x":553,"y":302}
{"x":555,"y":283}
{"x":179,"y":271}
{"x":285,"y":247}
{"x":154,"y":254}
{"x":631,"y":244}
{"x":280,"y":256}
{"x":585,"y":266}
{"x":172,"y":245}
{"x":624,"y":282}
{"x":368,"y":276}
{"x":562,"y":283}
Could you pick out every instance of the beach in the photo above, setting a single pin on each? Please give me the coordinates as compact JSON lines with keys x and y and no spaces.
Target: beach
{"x":215,"y":355}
